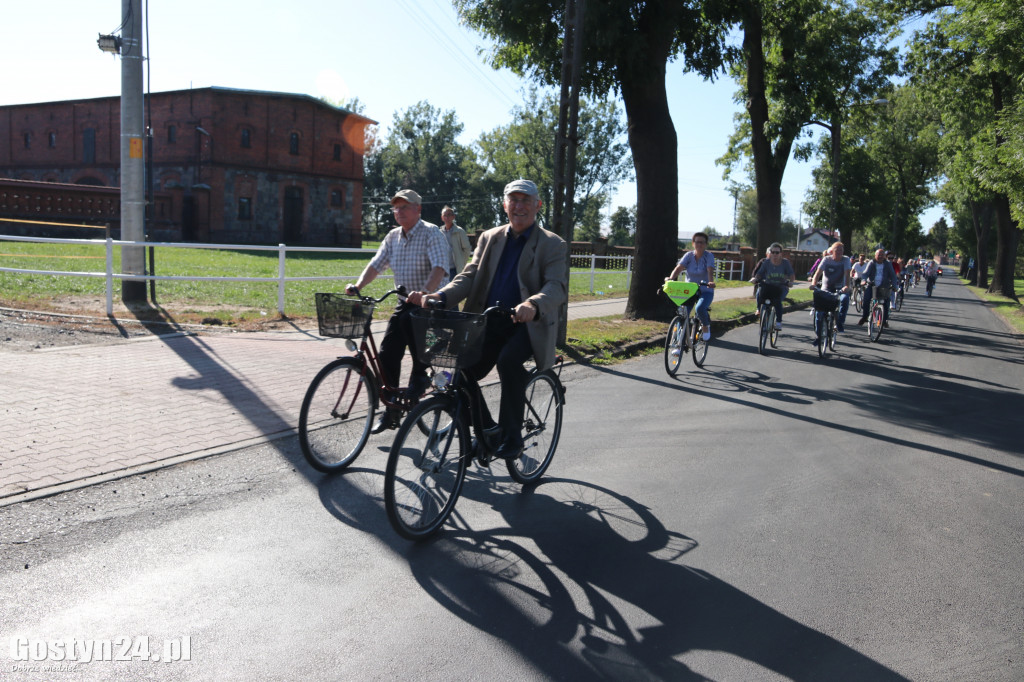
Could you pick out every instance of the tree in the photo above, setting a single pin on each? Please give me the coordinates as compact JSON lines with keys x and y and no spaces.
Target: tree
{"x":969,"y":59}
{"x":623,"y":226}
{"x":802,"y":62}
{"x":422,"y":153}
{"x":627,"y":49}
{"x":938,"y":237}
{"x":746,"y":215}
{"x":588,"y":226}
{"x":526,"y":149}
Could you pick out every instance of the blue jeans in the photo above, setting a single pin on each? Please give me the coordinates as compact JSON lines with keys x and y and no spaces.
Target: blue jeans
{"x":844,"y":306}
{"x":869,"y":300}
{"x":776,"y":293}
{"x":700,"y":308}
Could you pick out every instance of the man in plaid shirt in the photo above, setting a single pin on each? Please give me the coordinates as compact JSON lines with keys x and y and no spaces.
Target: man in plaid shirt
{"x":418,"y":253}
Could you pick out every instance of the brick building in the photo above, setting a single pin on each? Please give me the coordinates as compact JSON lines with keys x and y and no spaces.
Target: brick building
{"x":228,"y":166}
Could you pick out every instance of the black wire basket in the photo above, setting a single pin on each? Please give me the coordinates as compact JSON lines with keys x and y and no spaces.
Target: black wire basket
{"x":448,"y":338}
{"x":825,"y":302}
{"x":881,"y":293}
{"x":342,"y":316}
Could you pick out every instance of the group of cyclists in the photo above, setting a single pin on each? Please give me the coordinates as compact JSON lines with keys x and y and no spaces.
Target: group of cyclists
{"x":834,"y":277}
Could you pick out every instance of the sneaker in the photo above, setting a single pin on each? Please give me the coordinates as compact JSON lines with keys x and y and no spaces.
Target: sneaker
{"x":840,"y":328}
{"x":778,"y":326}
{"x":816,"y":341}
{"x":707,"y":336}
{"x":861,"y":322}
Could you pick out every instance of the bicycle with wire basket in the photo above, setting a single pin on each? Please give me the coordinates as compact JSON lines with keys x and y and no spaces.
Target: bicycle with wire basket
{"x":826,"y":310}
{"x":444,"y":432}
{"x":339,"y":406}
{"x":686,"y":331}
{"x":769,"y":333}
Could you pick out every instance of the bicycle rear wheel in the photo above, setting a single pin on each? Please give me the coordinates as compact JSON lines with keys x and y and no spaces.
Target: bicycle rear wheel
{"x":766,"y":327}
{"x":542,"y":426}
{"x":426,"y":468}
{"x":675,"y":345}
{"x":337,"y":415}
{"x":773,"y":334}
{"x":877,"y":320}
{"x":700,"y":346}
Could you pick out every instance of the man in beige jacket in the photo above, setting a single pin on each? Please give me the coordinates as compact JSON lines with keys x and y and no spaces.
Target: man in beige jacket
{"x":522,"y":267}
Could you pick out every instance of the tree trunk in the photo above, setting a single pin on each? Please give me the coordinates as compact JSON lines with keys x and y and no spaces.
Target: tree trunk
{"x":1006,"y":250}
{"x":981,"y":214}
{"x":1006,"y":243}
{"x":652,"y":139}
{"x":769,"y":165}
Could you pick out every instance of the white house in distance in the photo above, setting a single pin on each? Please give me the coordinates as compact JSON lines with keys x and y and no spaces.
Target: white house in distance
{"x":817,"y":240}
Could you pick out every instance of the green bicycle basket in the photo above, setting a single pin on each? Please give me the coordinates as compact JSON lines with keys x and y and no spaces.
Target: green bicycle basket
{"x":680,"y":292}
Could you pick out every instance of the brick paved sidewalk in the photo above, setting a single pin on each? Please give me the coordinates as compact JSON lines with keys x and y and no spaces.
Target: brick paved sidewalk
{"x":80,"y":415}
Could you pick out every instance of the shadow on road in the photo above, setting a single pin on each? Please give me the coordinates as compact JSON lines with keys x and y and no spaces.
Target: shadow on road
{"x":921,"y":399}
{"x":606,"y":595}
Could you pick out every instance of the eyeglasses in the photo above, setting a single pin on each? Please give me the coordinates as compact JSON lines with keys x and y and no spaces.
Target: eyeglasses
{"x":403,"y":207}
{"x":775,"y":253}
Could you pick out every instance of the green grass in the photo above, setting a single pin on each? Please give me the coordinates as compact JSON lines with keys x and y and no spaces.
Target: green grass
{"x":231,"y":300}
{"x":1007,"y":308}
{"x":601,"y":336}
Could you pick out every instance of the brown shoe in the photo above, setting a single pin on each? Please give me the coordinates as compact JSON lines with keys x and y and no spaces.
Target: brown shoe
{"x":860,"y":322}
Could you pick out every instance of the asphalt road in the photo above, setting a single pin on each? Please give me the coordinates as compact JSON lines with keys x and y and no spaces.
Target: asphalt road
{"x":776,"y":517}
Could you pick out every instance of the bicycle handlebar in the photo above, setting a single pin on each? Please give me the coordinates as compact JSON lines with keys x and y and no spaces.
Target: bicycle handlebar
{"x":400,"y":290}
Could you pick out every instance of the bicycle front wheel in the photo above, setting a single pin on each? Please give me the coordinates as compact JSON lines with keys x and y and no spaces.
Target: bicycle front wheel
{"x":823,"y":332}
{"x":337,"y":415}
{"x":426,"y":468}
{"x":877,"y":320}
{"x":542,"y":426}
{"x":675,"y":345}
{"x":773,"y":334}
{"x":858,"y":299}
{"x":700,"y":346}
{"x":833,"y":333}
{"x":898,"y":303}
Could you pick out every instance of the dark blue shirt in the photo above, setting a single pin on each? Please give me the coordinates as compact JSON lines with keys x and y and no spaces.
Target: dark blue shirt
{"x":505,"y":285}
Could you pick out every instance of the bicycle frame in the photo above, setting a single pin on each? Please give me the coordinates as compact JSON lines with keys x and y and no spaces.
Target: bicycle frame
{"x":368,"y":355}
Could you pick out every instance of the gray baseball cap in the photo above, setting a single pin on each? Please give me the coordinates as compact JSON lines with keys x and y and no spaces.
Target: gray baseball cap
{"x":408,"y":195}
{"x":525,"y":186}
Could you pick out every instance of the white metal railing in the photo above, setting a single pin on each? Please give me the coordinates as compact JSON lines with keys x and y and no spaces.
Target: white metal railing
{"x":592,"y":270}
{"x":725,"y":269}
{"x":109,"y":275}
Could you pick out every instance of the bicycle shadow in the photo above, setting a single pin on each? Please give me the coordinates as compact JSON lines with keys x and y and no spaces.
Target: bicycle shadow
{"x":587,"y":583}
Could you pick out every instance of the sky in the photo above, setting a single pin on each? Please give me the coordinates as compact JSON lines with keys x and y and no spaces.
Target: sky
{"x":390,"y":54}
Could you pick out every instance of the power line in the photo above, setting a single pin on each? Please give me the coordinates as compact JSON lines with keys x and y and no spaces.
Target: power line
{"x":470,"y":65}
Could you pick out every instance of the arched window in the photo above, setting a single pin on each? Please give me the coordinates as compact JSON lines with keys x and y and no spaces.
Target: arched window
{"x":293,"y":144}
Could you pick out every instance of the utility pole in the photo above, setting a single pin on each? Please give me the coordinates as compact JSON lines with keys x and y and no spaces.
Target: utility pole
{"x":133,"y":168}
{"x":566,"y":138}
